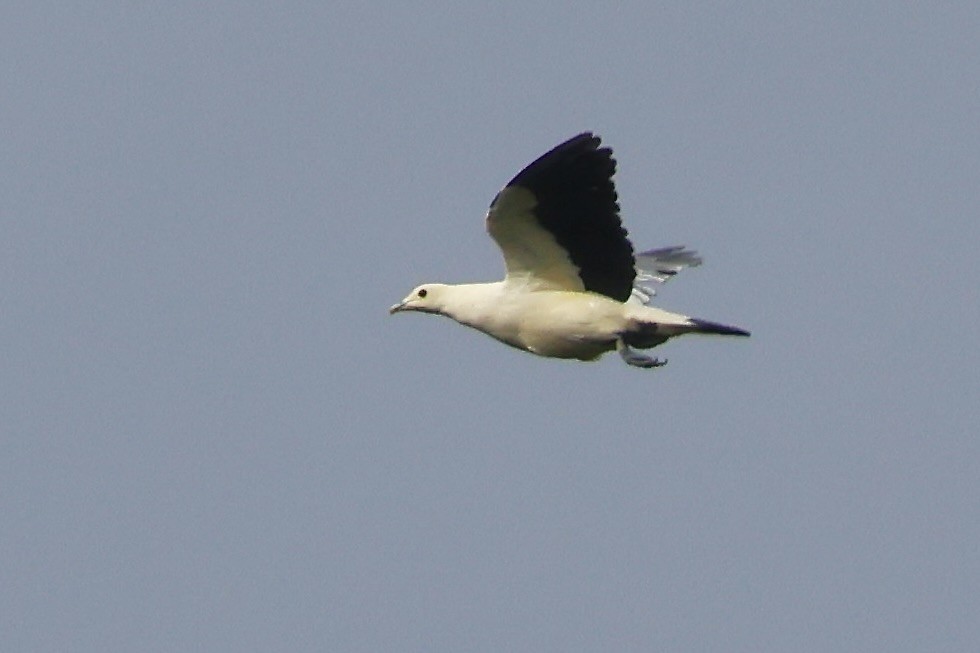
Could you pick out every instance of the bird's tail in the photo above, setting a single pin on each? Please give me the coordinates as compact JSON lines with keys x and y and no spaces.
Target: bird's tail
{"x":652,"y":326}
{"x":704,"y":326}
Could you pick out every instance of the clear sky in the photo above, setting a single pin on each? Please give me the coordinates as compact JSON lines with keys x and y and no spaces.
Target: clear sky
{"x":215,"y":438}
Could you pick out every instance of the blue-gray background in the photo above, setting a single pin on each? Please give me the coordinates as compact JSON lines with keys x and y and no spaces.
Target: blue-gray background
{"x":215,"y":438}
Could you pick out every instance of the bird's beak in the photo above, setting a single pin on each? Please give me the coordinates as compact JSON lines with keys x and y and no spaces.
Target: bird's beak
{"x":397,"y":307}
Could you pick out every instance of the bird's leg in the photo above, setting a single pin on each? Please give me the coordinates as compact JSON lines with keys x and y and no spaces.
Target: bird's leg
{"x":635,"y":358}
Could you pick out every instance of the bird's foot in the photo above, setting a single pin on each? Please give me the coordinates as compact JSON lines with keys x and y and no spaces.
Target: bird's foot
{"x":635,"y":358}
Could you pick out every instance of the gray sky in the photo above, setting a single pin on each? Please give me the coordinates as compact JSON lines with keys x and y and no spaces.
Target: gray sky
{"x":215,"y":438}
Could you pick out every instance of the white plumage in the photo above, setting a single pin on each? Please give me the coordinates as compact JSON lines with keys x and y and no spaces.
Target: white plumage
{"x":573,"y":286}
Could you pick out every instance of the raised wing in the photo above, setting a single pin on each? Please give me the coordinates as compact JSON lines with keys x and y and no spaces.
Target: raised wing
{"x":658,"y":266}
{"x":557,"y":222}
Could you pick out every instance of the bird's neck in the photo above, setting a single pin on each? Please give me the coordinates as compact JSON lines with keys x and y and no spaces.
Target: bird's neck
{"x":473,"y":304}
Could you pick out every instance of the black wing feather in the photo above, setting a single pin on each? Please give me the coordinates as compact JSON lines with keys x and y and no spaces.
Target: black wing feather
{"x":577,"y":203}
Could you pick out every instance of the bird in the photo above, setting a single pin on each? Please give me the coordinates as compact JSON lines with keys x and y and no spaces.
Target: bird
{"x":573,"y":288}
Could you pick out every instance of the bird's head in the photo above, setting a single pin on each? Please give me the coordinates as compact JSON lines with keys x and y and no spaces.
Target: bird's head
{"x":427,"y":298}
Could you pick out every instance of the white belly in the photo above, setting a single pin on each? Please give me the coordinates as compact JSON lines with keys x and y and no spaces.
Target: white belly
{"x":568,"y":324}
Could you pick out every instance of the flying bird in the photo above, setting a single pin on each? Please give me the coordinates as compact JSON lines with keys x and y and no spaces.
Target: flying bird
{"x":573,"y":287}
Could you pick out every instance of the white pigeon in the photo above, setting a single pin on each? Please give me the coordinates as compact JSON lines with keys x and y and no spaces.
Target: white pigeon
{"x":573,"y":287}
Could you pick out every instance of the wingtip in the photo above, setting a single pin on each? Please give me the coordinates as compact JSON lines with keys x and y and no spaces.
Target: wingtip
{"x":672,"y":255}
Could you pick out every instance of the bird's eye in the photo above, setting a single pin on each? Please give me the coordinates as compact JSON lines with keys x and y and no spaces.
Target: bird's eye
{"x":423,"y":292}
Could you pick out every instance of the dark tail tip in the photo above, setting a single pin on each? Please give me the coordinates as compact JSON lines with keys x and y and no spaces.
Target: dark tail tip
{"x":704,"y":326}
